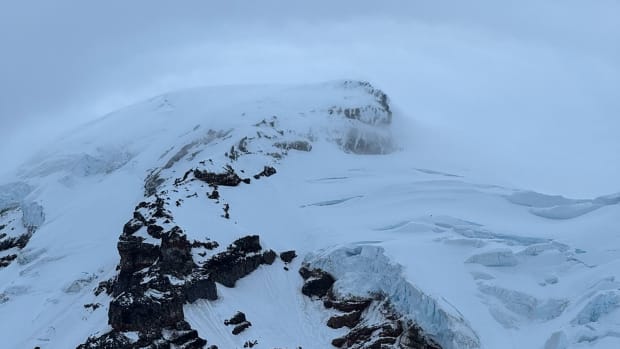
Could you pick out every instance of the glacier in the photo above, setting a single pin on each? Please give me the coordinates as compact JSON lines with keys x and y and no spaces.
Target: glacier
{"x":320,"y":169}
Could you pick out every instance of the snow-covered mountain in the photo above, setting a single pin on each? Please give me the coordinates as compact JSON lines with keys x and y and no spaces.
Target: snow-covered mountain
{"x":291,"y":217}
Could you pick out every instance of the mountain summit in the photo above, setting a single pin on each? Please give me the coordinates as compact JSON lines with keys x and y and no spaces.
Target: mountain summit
{"x":290,"y":217}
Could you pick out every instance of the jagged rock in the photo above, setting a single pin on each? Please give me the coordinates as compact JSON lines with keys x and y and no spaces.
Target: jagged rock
{"x":152,"y":183}
{"x":250,"y":344}
{"x":288,"y":256}
{"x":155,"y":231}
{"x":269,"y":257}
{"x":305,"y":272}
{"x":93,"y":306}
{"x":132,"y":226}
{"x":176,"y":253}
{"x":104,"y":286}
{"x":156,"y":278}
{"x":187,"y":339}
{"x":180,"y":337}
{"x":132,"y":311}
{"x":215,"y":195}
{"x":6,"y":260}
{"x":110,"y":340}
{"x":266,"y":172}
{"x":226,"y":213}
{"x":209,"y":245}
{"x":233,"y":154}
{"x":159,"y":210}
{"x":347,"y":305}
{"x":356,"y":335}
{"x":414,"y":338}
{"x":318,"y":282}
{"x":296,"y":145}
{"x":19,"y":242}
{"x":247,"y":244}
{"x":136,"y":254}
{"x":337,"y":342}
{"x":236,"y":319}
{"x":138,"y":216}
{"x":375,"y":327}
{"x":240,"y":259}
{"x":241,"y":327}
{"x":349,"y":320}
{"x":199,"y":288}
{"x":228,"y":178}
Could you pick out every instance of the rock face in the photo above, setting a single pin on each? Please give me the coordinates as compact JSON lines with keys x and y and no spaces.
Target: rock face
{"x":268,"y":171}
{"x":288,"y":256}
{"x":228,"y":178}
{"x":239,"y":322}
{"x":238,"y":318}
{"x":372,"y":322}
{"x":318,"y":282}
{"x":240,"y":259}
{"x":153,"y":252}
{"x":144,"y":298}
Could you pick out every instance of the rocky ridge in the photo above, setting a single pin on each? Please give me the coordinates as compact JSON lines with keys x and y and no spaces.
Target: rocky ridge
{"x":158,"y":271}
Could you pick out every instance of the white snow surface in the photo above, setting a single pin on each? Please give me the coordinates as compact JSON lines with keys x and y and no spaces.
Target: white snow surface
{"x":475,"y":264}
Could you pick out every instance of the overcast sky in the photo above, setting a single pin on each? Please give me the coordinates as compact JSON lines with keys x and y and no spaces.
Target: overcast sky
{"x":528,"y":89}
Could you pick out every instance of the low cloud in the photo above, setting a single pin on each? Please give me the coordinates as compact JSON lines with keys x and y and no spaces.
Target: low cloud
{"x":526,"y":90}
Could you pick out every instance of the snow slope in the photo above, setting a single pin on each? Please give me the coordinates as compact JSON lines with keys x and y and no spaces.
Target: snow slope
{"x":473,"y":264}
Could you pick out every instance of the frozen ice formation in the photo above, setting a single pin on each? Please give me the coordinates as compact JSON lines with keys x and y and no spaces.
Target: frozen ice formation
{"x":365,"y":270}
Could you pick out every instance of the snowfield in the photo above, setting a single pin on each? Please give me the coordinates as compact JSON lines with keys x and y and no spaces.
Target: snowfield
{"x":473,"y":264}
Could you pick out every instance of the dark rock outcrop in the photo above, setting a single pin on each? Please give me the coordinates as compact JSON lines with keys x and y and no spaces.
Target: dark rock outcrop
{"x":176,"y":253}
{"x":240,"y":259}
{"x":182,"y":337}
{"x":236,"y":319}
{"x":152,"y":310}
{"x":132,"y":226}
{"x":155,"y":231}
{"x":348,"y":305}
{"x":372,"y":322}
{"x":349,"y":320}
{"x":228,"y":178}
{"x":6,"y":260}
{"x":241,"y":327}
{"x":317,"y":283}
{"x":144,"y":298}
{"x":269,"y":257}
{"x":268,"y":171}
{"x":295,"y":145}
{"x":214,"y":195}
{"x":288,"y":256}
{"x":209,"y":245}
{"x":239,"y":322}
{"x":199,"y":288}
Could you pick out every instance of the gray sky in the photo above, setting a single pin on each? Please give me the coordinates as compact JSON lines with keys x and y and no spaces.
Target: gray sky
{"x":527,"y":88}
